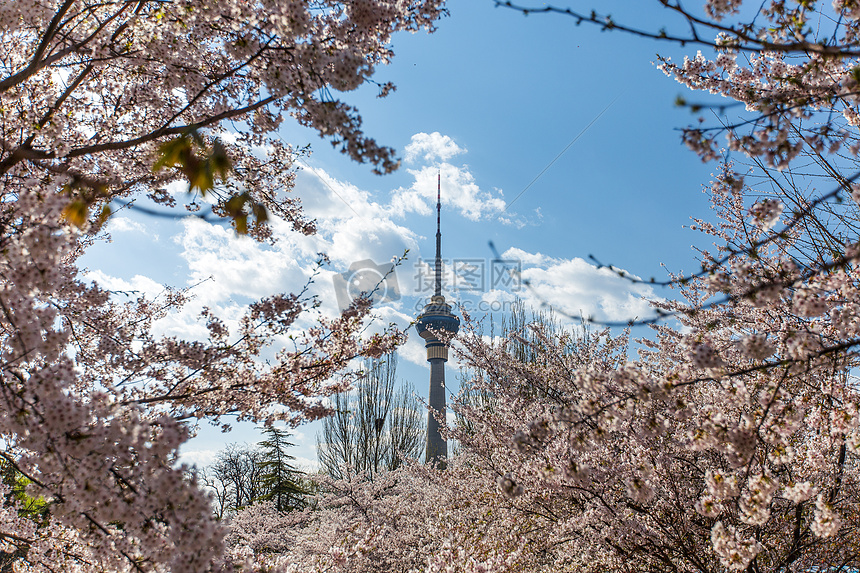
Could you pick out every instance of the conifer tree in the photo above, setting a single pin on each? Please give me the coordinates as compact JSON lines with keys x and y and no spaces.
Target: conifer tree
{"x":280,"y":479}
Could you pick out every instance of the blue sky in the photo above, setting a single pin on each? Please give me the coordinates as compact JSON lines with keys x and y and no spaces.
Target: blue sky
{"x":489,"y":101}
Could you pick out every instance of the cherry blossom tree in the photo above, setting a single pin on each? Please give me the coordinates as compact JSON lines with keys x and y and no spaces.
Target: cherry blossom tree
{"x":723,"y":447}
{"x":414,"y":518}
{"x":729,"y":441}
{"x":472,"y":516}
{"x":103,"y":102}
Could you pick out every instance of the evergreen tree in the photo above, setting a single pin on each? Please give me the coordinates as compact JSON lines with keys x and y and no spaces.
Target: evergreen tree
{"x":280,"y":480}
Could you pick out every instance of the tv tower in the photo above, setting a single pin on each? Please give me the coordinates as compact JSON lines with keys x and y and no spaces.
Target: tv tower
{"x":437,"y":318}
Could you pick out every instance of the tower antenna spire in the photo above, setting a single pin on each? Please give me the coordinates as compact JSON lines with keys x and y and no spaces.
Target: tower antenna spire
{"x":438,"y":289}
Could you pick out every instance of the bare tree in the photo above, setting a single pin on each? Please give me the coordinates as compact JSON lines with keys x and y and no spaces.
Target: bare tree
{"x":405,"y":428}
{"x":374,"y":427}
{"x":219,"y":489}
{"x":236,"y":479}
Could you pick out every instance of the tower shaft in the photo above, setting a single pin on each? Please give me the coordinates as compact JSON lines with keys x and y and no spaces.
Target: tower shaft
{"x":437,"y":446}
{"x":437,"y":321}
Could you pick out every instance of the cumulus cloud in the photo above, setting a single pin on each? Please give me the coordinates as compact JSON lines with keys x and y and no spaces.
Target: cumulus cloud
{"x":576,"y":287}
{"x":519,"y":221}
{"x":307,"y":465}
{"x":332,"y":202}
{"x":136,"y":286}
{"x":459,"y":191}
{"x":432,"y":147}
{"x":351,"y":225}
{"x":199,"y":458}
{"x":413,"y":350}
{"x":230,"y":265}
{"x":327,"y":198}
{"x":118,"y":224}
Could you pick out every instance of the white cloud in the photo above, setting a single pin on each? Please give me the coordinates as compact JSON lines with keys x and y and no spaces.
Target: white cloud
{"x":351,"y":226}
{"x":431,"y":147}
{"x":326,"y":198}
{"x":118,"y":224}
{"x":518,"y":221}
{"x":199,"y":458}
{"x":135,"y":287}
{"x":413,"y":351}
{"x":574,"y":287}
{"x":307,"y":465}
{"x":238,"y":266}
{"x":459,"y":191}
{"x":184,"y":324}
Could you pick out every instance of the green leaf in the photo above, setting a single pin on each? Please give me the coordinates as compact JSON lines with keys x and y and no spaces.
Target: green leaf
{"x":76,"y":213}
{"x":173,"y":153}
{"x":261,"y":214}
{"x":220,"y":161}
{"x":104,"y":214}
{"x":241,"y":222}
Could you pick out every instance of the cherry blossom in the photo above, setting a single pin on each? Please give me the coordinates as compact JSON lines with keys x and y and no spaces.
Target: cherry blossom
{"x":102,"y":103}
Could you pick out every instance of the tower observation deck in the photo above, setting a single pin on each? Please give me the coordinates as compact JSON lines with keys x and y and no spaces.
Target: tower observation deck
{"x":437,"y":320}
